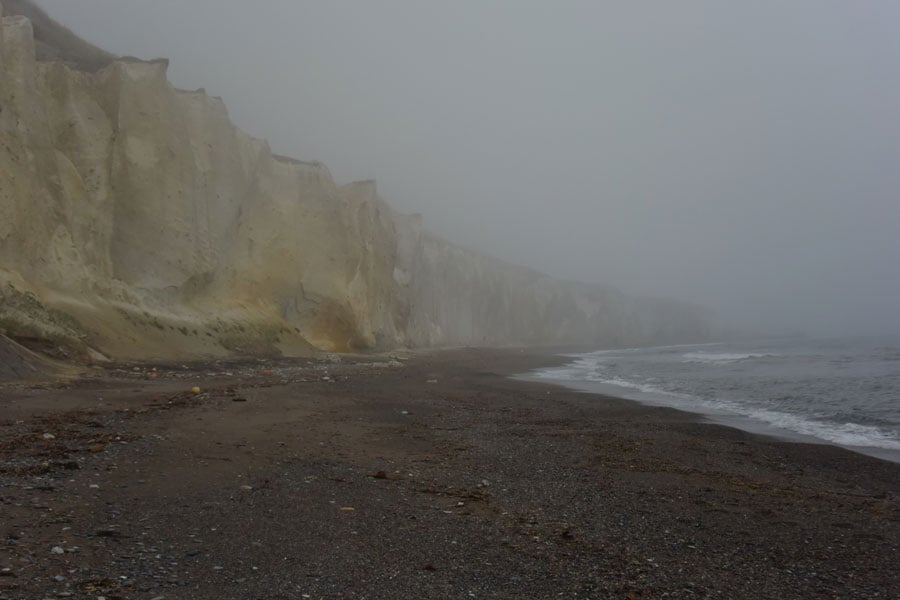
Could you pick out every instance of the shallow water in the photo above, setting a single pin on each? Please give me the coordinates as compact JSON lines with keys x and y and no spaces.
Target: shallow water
{"x":840,"y":391}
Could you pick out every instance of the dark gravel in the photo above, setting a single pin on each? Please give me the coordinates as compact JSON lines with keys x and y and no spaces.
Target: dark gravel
{"x":430,"y":477}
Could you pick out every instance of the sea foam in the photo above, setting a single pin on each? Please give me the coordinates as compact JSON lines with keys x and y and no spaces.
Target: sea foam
{"x":714,"y":358}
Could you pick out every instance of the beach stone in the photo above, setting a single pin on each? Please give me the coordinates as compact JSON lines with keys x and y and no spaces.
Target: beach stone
{"x":108,"y":532}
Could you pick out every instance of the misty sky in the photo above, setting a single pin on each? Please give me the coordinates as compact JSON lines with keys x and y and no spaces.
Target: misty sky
{"x":742,"y":155}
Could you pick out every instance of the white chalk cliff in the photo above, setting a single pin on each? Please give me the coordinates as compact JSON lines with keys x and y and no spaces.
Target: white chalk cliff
{"x":137,"y":221}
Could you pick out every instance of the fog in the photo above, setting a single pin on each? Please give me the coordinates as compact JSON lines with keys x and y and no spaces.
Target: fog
{"x":743,"y":156}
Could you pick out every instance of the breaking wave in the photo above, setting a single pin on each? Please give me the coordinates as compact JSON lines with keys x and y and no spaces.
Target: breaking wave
{"x":712,"y":358}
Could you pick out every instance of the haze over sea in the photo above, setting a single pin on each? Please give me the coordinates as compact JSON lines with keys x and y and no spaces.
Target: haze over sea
{"x":838,"y":391}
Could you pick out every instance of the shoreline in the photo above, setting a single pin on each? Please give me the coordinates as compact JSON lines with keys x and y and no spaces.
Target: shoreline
{"x":735,"y":421}
{"x":703,"y":410}
{"x":426,"y":475}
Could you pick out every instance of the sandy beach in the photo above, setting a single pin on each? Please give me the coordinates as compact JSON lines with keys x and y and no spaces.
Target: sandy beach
{"x":418,"y":476}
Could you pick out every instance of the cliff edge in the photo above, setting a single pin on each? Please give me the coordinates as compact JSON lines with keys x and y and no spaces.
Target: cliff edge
{"x":136,"y":222}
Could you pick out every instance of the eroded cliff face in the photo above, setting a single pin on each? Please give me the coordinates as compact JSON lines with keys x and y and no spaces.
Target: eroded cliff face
{"x":137,"y":221}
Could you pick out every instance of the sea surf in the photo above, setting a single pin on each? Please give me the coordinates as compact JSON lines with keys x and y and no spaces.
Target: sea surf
{"x":839,"y":391}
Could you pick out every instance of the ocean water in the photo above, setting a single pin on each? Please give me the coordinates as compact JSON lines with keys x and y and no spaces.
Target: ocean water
{"x":844,"y":392}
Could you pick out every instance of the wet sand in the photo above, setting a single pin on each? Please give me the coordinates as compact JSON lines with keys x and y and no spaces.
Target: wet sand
{"x":435,"y":476}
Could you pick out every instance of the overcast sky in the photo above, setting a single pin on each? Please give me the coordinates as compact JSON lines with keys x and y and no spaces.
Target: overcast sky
{"x":742,"y":155}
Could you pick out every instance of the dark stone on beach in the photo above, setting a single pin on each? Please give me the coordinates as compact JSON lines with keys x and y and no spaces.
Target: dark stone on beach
{"x":108,"y":533}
